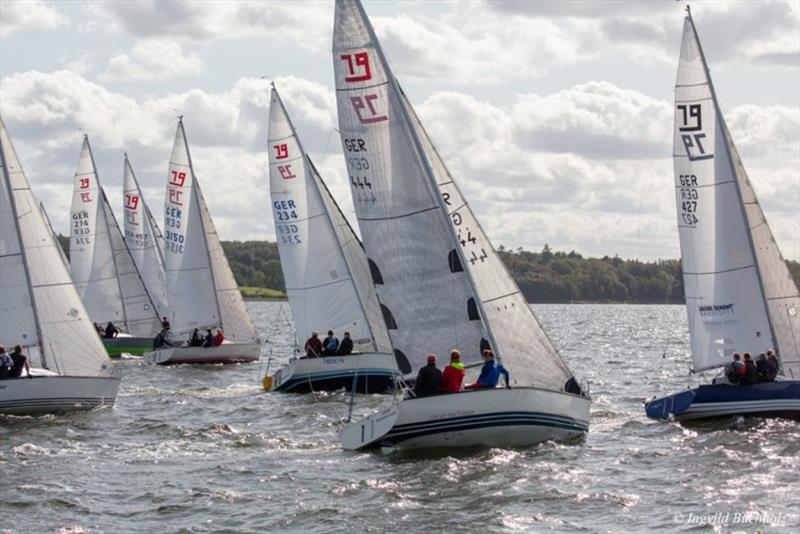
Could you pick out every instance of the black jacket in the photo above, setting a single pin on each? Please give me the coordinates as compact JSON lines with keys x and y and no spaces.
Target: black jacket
{"x":428,"y":380}
{"x":345,"y":347}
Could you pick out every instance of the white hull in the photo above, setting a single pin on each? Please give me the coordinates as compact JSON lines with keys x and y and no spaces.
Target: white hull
{"x":225,"y":353}
{"x":50,"y":394}
{"x":490,"y":417}
{"x":371,"y":372}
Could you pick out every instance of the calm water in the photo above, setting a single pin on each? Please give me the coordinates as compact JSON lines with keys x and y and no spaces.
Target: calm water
{"x":198,"y":449}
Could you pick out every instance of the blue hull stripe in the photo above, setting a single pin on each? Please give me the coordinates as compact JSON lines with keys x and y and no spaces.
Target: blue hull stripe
{"x":400,"y":433}
{"x":343,"y":377}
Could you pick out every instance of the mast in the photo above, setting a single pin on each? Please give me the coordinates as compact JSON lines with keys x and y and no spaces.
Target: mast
{"x":22,"y":252}
{"x":197,"y":194}
{"x":729,"y":156}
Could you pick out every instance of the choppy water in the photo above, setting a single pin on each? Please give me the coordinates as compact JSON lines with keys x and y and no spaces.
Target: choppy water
{"x":197,"y":449}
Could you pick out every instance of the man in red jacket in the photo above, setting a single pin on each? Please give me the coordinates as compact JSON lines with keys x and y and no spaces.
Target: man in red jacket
{"x":453,"y":375}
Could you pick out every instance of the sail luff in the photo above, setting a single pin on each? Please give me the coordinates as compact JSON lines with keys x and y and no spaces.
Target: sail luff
{"x":378,"y":332}
{"x":727,"y":144}
{"x":22,"y":251}
{"x":102,"y":211}
{"x":196,"y":199}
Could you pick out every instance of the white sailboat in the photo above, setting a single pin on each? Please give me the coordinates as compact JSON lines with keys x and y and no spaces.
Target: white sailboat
{"x":740,"y":296}
{"x":101,"y":265}
{"x":440,"y":282}
{"x":326,"y":272}
{"x":201,"y":290}
{"x":41,"y":310}
{"x":142,"y":237}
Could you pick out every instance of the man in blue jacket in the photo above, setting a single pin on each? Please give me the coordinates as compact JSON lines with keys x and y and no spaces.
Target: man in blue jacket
{"x":490,"y":373}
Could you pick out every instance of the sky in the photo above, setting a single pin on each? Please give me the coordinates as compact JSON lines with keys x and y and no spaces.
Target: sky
{"x":554,"y":117}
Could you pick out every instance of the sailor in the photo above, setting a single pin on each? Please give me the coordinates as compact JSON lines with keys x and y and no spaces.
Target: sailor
{"x":313,"y":346}
{"x":453,"y":376}
{"x":734,"y":369}
{"x":772,"y":366}
{"x":5,"y":363}
{"x":20,"y":361}
{"x":196,"y":340}
{"x":330,"y":344}
{"x":761,"y":367}
{"x":161,"y":340}
{"x":111,"y":331}
{"x":165,"y":323}
{"x":750,"y":372}
{"x":346,"y":346}
{"x":219,"y":338}
{"x":428,"y":379}
{"x":209,"y":339}
{"x":490,"y":373}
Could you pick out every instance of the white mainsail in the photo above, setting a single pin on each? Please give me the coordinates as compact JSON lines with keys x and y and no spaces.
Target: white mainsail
{"x":437,"y":275}
{"x":324,"y":265}
{"x":101,"y":265}
{"x":739,"y":293}
{"x":201,"y":289}
{"x":39,"y":306}
{"x":53,"y":233}
{"x":142,"y":237}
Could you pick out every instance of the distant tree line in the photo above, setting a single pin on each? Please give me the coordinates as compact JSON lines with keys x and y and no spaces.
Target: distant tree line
{"x":544,"y":276}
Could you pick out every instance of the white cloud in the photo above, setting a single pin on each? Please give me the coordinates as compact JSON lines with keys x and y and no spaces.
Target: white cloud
{"x":29,"y":15}
{"x":153,"y":59}
{"x":305,"y":23}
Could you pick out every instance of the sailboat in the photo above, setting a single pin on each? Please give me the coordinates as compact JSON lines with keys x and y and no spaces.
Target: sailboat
{"x":740,"y":296}
{"x":142,"y":237}
{"x":41,"y":310}
{"x":327,"y":274}
{"x":101,"y":265}
{"x":201,"y":290}
{"x":440,"y":282}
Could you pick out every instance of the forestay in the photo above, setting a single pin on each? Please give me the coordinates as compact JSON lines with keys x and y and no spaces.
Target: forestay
{"x":428,"y":304}
{"x":39,"y":306}
{"x":514,"y":330}
{"x":142,"y":237}
{"x":327,"y":277}
{"x":141,"y":315}
{"x":724,"y":281}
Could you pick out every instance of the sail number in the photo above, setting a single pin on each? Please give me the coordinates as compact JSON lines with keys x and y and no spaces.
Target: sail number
{"x":689,"y":198}
{"x":80,"y":228}
{"x":691,"y":132}
{"x":285,"y":211}
{"x":173,"y":236}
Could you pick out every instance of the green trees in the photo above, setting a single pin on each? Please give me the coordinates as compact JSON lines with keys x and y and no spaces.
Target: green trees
{"x":545,"y":276}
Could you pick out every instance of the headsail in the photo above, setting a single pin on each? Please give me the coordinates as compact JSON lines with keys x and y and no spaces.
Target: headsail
{"x":201,"y":289}
{"x":327,"y":276}
{"x":39,"y":307}
{"x":101,"y":265}
{"x":445,"y":288}
{"x":515,"y":330}
{"x":739,"y":294}
{"x":141,"y":236}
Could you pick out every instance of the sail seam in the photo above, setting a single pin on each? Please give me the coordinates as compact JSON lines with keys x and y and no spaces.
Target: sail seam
{"x":398,"y":216}
{"x":502,"y":297}
{"x":720,"y":272}
{"x":318,"y":286}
